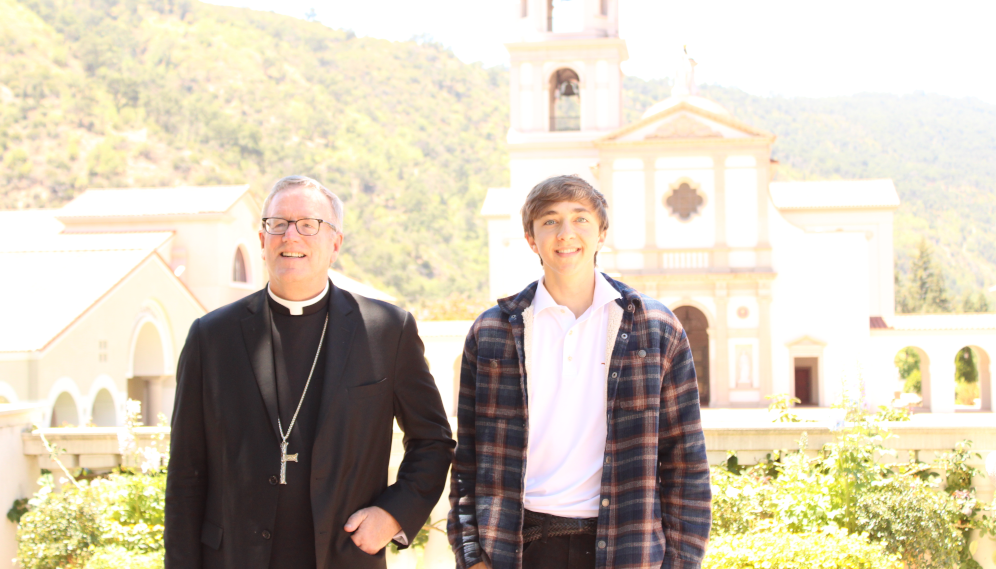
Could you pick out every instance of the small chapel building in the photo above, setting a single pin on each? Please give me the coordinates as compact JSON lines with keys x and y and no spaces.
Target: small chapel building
{"x":103,"y":291}
{"x":782,"y":287}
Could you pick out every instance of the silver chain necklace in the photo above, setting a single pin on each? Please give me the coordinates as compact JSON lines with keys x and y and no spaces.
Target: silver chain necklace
{"x":284,"y":457}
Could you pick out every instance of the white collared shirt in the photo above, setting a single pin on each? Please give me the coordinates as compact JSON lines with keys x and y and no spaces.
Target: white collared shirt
{"x":297,"y":307}
{"x":567,"y":404}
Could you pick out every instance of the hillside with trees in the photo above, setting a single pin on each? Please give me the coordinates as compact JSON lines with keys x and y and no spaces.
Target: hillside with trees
{"x":111,"y":93}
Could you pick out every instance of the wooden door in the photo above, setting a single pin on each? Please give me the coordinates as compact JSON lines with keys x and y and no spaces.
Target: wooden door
{"x":803,"y":385}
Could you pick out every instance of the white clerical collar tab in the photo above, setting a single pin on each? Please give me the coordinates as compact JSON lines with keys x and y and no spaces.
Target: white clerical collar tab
{"x":297,"y":307}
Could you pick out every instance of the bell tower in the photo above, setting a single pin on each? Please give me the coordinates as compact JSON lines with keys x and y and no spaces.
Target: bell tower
{"x":565,"y":58}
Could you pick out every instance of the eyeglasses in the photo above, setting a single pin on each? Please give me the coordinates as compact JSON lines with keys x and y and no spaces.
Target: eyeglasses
{"x":307,"y":227}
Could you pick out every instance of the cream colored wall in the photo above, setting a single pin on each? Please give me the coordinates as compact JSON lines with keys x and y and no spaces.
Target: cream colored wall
{"x":205,"y":245}
{"x":820,"y":291}
{"x":876,"y":224}
{"x":73,"y":358}
{"x":14,"y":373}
{"x":208,"y":248}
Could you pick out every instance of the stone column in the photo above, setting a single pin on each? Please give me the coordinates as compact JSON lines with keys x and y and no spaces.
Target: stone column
{"x":651,"y":260}
{"x":763,"y":241}
{"x":719,"y":370}
{"x":764,"y":338}
{"x":154,"y":401}
{"x":721,"y":256}
{"x":942,"y":384}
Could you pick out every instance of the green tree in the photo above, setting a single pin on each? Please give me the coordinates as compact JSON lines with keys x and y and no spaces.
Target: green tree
{"x":908,"y":363}
{"x":975,"y":302}
{"x":926,"y":290}
{"x":966,"y":376}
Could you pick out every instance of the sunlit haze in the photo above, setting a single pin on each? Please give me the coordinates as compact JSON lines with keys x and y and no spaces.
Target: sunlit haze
{"x":765,"y":48}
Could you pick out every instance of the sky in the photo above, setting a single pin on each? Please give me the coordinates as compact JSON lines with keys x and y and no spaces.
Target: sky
{"x":789,"y":48}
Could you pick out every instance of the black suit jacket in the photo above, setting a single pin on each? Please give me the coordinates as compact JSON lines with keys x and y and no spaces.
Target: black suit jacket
{"x":224,"y":447}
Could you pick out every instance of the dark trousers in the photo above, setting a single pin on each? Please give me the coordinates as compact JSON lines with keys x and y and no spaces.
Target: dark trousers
{"x":565,"y":552}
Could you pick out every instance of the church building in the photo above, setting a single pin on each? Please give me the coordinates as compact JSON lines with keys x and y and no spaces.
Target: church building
{"x":782,"y":287}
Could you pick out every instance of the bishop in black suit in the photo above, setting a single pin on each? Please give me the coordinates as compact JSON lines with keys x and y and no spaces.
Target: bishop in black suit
{"x":325,"y":371}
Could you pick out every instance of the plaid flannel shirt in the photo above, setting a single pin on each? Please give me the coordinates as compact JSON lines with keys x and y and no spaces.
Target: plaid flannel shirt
{"x":655,"y":472}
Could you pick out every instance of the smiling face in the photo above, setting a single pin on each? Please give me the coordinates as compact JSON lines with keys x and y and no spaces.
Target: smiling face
{"x":298,"y":264}
{"x":566,"y":236}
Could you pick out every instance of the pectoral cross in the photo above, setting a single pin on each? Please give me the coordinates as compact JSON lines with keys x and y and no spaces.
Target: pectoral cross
{"x":284,"y":459}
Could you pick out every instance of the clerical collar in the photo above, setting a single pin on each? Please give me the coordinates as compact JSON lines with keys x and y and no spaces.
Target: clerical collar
{"x":296,"y":307}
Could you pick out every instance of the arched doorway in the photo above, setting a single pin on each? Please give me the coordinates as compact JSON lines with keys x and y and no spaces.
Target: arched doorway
{"x":565,"y":100}
{"x":972,"y":381}
{"x":148,"y":369}
{"x":697,"y":329}
{"x":103,"y":413}
{"x":64,"y":412}
{"x":913,"y":370}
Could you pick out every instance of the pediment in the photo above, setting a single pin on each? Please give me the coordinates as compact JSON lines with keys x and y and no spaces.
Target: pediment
{"x":806,"y":342}
{"x":685,"y":123}
{"x":683,"y":126}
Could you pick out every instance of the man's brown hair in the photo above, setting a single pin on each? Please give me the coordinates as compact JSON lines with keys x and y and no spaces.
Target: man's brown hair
{"x":563,"y":189}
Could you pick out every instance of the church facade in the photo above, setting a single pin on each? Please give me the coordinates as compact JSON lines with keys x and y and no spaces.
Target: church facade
{"x":782,"y":287}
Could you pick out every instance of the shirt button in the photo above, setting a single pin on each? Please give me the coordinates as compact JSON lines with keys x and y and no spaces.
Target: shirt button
{"x":274,"y":480}
{"x":605,"y":503}
{"x":608,"y":460}
{"x":571,"y":333}
{"x":494,"y":363}
{"x":624,"y":336}
{"x":266,"y":534}
{"x":601,"y":545}
{"x":614,"y":375}
{"x":630,"y":308}
{"x":642,"y":353}
{"x":562,"y":311}
{"x":570,"y":358}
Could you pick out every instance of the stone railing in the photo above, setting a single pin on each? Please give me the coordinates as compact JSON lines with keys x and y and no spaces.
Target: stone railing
{"x":749,"y":432}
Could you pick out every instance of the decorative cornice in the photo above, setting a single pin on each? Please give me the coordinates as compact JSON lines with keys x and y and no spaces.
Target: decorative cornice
{"x":688,"y":107}
{"x":679,"y":142}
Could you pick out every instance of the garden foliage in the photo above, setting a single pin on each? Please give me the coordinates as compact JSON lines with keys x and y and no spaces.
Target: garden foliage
{"x":115,"y":521}
{"x":847,"y":506}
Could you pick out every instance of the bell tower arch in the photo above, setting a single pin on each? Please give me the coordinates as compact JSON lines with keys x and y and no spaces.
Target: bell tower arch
{"x":565,"y":64}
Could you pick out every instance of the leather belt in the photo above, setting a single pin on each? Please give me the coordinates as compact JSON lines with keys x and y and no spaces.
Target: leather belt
{"x":541,"y":526}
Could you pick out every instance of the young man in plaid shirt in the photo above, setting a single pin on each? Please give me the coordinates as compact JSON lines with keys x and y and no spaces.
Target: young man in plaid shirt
{"x":579,"y":441}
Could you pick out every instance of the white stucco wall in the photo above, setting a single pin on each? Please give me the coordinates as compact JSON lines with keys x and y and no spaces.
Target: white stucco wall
{"x":820,"y":292}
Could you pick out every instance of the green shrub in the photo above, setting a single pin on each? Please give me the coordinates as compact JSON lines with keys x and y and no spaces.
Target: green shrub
{"x":783,"y":550}
{"x":921,"y":514}
{"x":116,"y":557}
{"x":61,"y":530}
{"x":912,"y":520}
{"x":95,"y":523}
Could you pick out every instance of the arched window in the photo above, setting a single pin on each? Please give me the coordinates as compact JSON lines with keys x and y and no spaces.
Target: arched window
{"x":64,"y":411}
{"x":565,"y":100}
{"x":239,"y":267}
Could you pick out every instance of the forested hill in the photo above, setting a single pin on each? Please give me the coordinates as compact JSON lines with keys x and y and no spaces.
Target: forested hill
{"x":102,"y":93}
{"x":107,"y":93}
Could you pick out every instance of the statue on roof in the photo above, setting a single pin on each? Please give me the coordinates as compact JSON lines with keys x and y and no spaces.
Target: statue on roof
{"x":684,"y":78}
